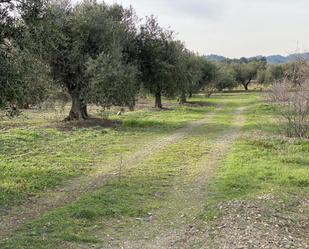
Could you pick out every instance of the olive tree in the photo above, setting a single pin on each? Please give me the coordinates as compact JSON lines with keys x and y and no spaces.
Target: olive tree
{"x":199,"y":73}
{"x":23,"y":76}
{"x":224,"y":78}
{"x":24,"y":79}
{"x":208,"y":75}
{"x":112,"y":81}
{"x":158,"y":60}
{"x":187,"y":71}
{"x":271,"y":74}
{"x":245,"y":72}
{"x":88,"y":48}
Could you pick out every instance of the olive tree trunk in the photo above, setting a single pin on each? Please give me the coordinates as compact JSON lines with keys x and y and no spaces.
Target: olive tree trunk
{"x":182,"y":99}
{"x":158,"y":102}
{"x":78,"y":109}
{"x":246,"y":84}
{"x":190,"y":94}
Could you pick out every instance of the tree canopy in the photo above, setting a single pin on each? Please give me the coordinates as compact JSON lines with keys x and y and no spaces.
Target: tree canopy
{"x":246,"y":71}
{"x":23,"y":76}
{"x":103,"y":54}
{"x":88,"y":50}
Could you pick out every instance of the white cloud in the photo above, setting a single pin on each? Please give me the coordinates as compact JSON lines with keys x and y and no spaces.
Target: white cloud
{"x":233,"y":28}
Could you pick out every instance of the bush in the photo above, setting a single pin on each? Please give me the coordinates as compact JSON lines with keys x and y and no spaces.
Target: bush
{"x":293,"y":105}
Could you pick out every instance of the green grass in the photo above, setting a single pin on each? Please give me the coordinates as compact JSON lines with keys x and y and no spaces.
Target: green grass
{"x":34,"y":158}
{"x":140,"y":191}
{"x":262,"y":161}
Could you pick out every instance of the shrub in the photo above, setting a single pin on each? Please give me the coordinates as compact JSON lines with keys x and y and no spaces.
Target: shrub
{"x":292,"y":102}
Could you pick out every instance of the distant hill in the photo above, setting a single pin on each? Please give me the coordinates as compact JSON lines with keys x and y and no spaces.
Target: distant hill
{"x":272,"y":59}
{"x":294,"y":57}
{"x":276,"y":59}
{"x":214,"y":57}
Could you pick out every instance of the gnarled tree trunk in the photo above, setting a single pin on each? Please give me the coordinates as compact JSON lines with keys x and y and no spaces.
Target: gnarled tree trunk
{"x":190,"y":94}
{"x":182,"y":99}
{"x":246,"y":84}
{"x":78,"y":109}
{"x":158,"y":103}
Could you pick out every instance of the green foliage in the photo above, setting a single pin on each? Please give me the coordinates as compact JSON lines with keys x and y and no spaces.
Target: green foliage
{"x":229,"y":74}
{"x":158,"y":59}
{"x":96,"y":55}
{"x":86,"y":40}
{"x":112,"y":82}
{"x":246,"y":72}
{"x":225,"y":78}
{"x":271,"y":74}
{"x":23,"y":78}
{"x":204,"y":74}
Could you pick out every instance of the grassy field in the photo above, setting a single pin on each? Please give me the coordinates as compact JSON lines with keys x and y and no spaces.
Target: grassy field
{"x":266,"y":172}
{"x":152,"y":204}
{"x":34,"y":156}
{"x":263,"y":161}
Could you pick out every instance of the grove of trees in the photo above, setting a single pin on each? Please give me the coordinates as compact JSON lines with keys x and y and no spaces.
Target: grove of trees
{"x":104,"y":54}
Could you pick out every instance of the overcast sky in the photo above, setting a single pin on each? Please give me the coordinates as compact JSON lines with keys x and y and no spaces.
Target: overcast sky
{"x":233,"y":28}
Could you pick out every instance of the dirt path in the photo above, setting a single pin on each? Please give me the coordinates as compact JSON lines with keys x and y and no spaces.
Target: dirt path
{"x":76,"y":188}
{"x":181,"y":229}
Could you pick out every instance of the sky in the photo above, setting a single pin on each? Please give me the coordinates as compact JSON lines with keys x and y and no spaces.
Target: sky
{"x":233,"y":28}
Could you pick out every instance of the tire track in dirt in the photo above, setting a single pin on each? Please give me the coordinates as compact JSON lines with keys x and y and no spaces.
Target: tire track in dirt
{"x":76,"y":188}
{"x":192,"y":197}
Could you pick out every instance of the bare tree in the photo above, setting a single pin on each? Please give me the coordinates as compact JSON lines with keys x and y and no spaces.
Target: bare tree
{"x":291,"y":96}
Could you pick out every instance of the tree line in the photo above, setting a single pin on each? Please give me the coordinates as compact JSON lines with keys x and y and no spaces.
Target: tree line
{"x":104,"y":54}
